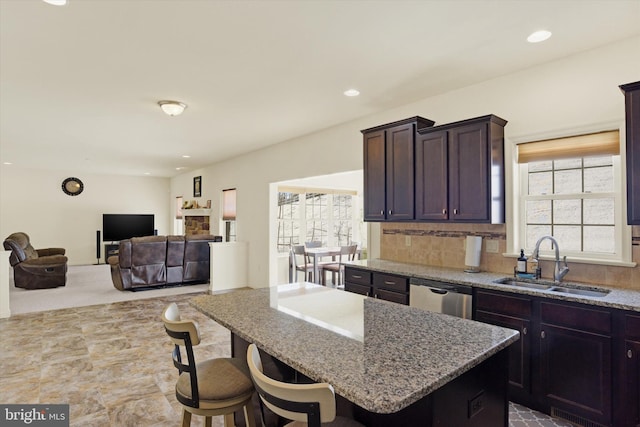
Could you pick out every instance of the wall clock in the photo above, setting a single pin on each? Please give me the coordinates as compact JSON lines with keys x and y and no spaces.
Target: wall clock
{"x":72,"y":186}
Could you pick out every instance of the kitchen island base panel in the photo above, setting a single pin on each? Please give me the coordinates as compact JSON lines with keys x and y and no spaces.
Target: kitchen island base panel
{"x":477,"y":398}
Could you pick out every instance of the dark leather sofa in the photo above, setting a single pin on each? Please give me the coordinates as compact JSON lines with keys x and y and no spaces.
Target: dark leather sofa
{"x":151,"y":261}
{"x":35,"y":268}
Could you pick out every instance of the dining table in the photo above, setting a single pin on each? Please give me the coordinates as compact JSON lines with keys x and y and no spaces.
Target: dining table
{"x":316,"y":255}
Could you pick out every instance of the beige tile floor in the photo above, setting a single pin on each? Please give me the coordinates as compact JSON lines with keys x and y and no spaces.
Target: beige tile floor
{"x":111,"y":363}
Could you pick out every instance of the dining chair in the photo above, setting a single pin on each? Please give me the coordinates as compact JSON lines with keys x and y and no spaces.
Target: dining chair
{"x":299,"y":261}
{"x":312,"y":405}
{"x":347,"y":253}
{"x":212,"y":387}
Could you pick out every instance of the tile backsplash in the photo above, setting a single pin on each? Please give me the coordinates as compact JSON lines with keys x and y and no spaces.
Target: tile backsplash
{"x":443,"y":245}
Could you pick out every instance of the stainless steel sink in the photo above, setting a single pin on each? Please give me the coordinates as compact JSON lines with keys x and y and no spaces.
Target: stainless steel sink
{"x":599,"y":293}
{"x":523,"y":284}
{"x":572,"y":289}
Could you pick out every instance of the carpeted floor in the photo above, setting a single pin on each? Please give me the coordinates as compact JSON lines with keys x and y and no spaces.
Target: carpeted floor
{"x":86,"y":285}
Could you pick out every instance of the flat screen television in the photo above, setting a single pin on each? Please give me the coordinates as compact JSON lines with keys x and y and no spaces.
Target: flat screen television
{"x":117,"y":227}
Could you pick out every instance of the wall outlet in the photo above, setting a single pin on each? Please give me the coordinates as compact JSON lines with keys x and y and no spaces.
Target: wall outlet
{"x":491,"y":246}
{"x":407,"y":240}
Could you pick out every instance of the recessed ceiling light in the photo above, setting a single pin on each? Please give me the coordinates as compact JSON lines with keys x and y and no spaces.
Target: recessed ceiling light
{"x":56,"y":2}
{"x":352,"y":92}
{"x":186,"y":156}
{"x":539,"y":36}
{"x":7,"y":163}
{"x":147,"y":173}
{"x":179,"y":168}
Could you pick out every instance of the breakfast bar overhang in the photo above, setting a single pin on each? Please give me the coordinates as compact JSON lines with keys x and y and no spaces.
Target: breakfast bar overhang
{"x":389,"y":364}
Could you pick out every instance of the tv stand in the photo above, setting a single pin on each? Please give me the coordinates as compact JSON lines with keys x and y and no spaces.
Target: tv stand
{"x":110,"y":249}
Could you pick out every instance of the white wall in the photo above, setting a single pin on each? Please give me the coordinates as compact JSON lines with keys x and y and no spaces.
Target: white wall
{"x":32,"y":201}
{"x":570,"y":93}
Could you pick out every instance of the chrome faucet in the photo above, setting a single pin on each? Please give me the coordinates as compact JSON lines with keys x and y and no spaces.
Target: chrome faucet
{"x":559,"y":272}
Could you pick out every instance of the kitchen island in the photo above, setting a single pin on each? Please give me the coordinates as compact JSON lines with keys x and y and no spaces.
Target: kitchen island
{"x":392,"y":364}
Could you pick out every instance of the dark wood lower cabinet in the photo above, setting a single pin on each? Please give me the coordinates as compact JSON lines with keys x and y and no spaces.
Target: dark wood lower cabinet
{"x":628,"y":356}
{"x":564,"y":363}
{"x":575,"y":374}
{"x":519,"y":353}
{"x":389,"y":287}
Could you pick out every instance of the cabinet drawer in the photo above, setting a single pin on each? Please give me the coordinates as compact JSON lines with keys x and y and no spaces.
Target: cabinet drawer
{"x":504,"y":304}
{"x":357,"y":289}
{"x":632,"y":327}
{"x":357,"y":276}
{"x":392,"y":296}
{"x":580,"y":318}
{"x":392,"y":282}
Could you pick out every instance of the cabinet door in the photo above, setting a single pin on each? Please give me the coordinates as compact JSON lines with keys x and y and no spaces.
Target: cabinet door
{"x":357,"y":288}
{"x":397,"y":297}
{"x":519,"y":353}
{"x":469,"y":173}
{"x":632,"y":108}
{"x":575,"y":370}
{"x":631,"y":388}
{"x":399,"y":170}
{"x":374,"y":176}
{"x":432,"y":181}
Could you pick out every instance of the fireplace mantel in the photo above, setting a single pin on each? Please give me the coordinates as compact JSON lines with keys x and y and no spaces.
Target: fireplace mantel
{"x":196,"y":212}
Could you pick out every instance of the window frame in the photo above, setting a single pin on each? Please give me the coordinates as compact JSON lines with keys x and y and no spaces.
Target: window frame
{"x":622,"y":255}
{"x":330,"y":220}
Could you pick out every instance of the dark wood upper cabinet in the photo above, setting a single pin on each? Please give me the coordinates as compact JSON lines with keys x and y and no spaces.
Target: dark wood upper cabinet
{"x":632,"y":119}
{"x":460,"y":171}
{"x":389,"y":170}
{"x":432,"y":179}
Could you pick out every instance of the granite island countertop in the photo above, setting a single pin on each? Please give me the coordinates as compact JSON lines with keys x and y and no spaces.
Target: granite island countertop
{"x":624,"y":299}
{"x":379,"y":355}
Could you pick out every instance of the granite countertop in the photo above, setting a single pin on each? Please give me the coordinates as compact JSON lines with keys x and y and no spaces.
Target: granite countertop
{"x":624,"y":299}
{"x":379,"y":355}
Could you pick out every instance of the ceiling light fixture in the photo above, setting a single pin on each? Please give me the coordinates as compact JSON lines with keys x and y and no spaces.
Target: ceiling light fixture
{"x":56,"y":2}
{"x":172,"y":108}
{"x":352,"y":92}
{"x":539,"y":36}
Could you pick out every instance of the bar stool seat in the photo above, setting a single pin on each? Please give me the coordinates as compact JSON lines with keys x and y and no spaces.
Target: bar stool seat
{"x":312,"y":405}
{"x":212,"y":387}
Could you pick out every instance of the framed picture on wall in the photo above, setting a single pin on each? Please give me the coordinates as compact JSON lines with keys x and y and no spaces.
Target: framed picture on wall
{"x":197,"y":186}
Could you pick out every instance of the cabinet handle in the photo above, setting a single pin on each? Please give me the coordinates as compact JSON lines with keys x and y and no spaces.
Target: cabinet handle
{"x":444,"y":211}
{"x":629,"y":354}
{"x":390,"y":211}
{"x":367,"y":293}
{"x":375,"y":295}
{"x":382,"y":212}
{"x":386,"y":282}
{"x":543,"y":335}
{"x":356,"y":276}
{"x":455,"y":211}
{"x":524,"y":331}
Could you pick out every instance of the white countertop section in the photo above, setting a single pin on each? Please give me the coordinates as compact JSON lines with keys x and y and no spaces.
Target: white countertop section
{"x":339,"y":312}
{"x":379,"y":355}
{"x":624,"y":299}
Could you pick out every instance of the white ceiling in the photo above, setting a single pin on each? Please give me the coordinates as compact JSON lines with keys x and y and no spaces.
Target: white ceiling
{"x":79,"y":83}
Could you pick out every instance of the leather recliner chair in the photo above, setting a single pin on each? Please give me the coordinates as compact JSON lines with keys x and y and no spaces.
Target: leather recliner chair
{"x":35,"y":268}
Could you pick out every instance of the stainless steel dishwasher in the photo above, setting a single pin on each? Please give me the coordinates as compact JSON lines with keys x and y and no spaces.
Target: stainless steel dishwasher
{"x":441,"y":297}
